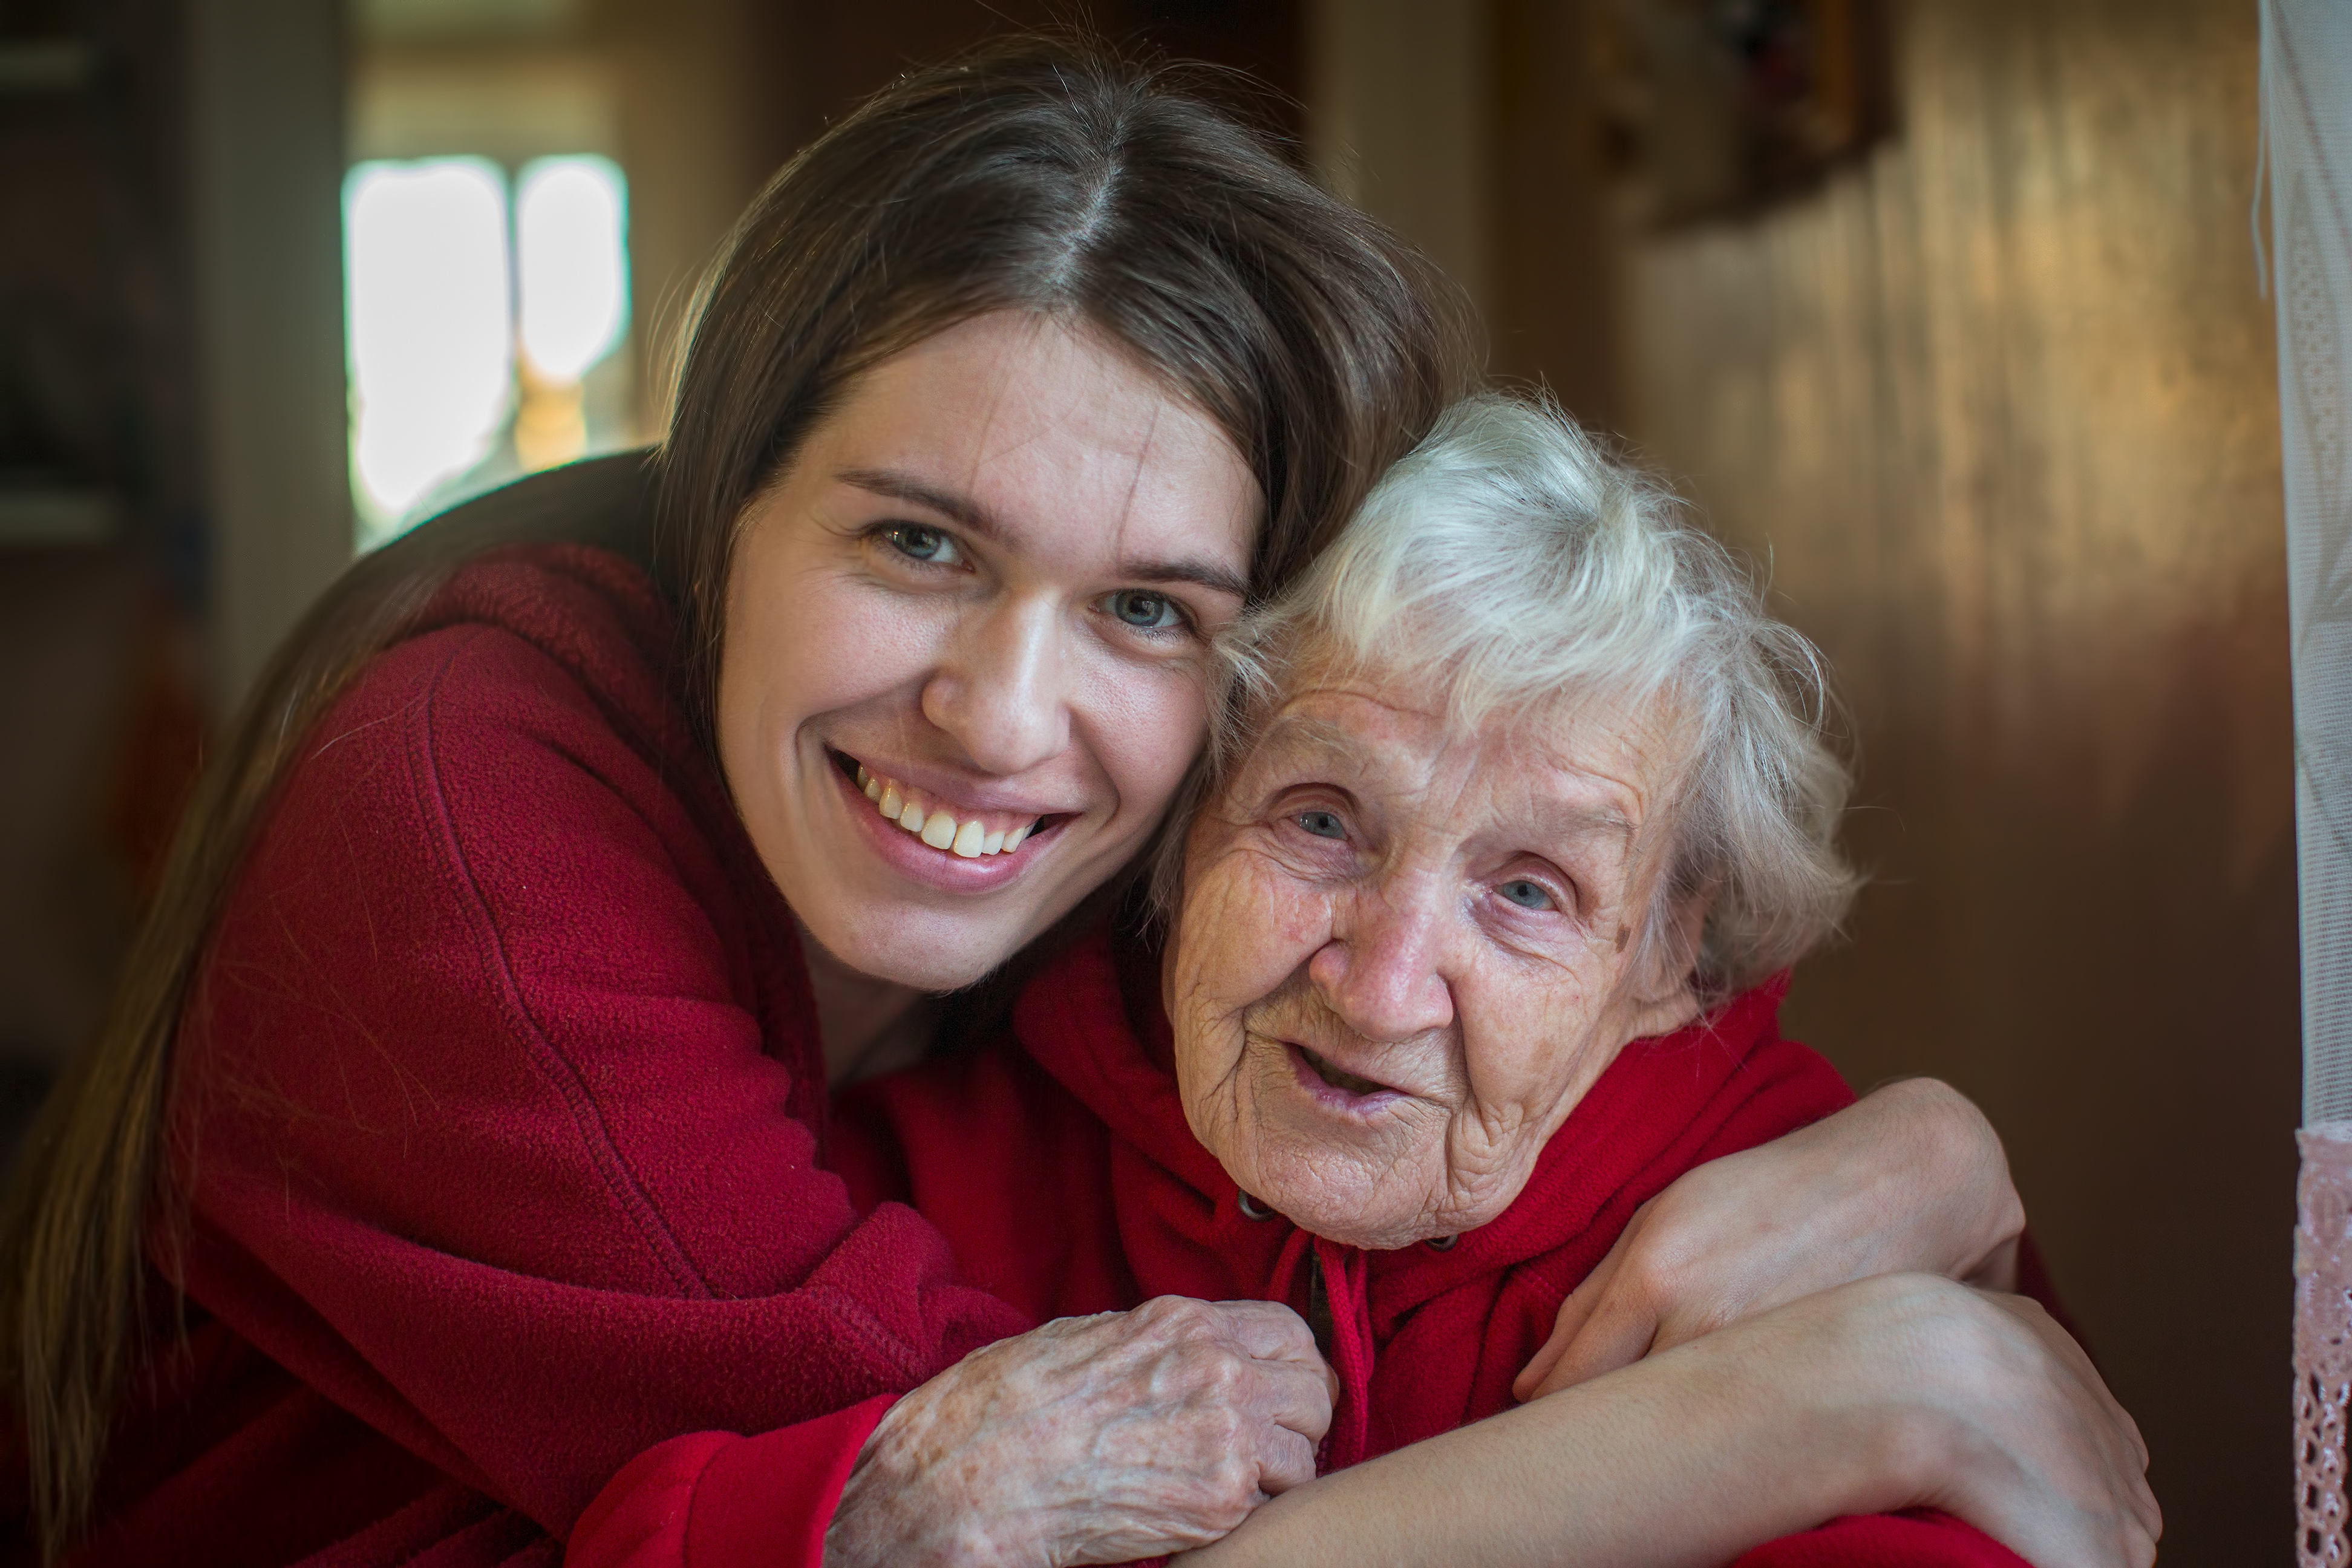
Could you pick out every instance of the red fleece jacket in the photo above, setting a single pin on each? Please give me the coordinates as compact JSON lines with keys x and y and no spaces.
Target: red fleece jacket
{"x":502,"y":1110}
{"x":1101,"y":1198}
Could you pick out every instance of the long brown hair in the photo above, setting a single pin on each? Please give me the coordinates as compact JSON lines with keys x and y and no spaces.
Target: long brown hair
{"x":1042,"y":175}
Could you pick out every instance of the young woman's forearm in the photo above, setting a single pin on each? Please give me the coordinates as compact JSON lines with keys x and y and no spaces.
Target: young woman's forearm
{"x":1882,"y":1395}
{"x":1911,"y":1178}
{"x":1685,"y":1458}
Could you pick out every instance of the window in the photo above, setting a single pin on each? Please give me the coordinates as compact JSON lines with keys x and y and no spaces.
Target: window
{"x":478,"y":313}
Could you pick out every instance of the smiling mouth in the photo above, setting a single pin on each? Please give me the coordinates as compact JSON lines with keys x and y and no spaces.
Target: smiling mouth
{"x":1340,"y":1078}
{"x":918,"y":813}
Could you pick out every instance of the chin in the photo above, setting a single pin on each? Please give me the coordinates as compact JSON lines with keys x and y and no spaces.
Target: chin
{"x":1339,"y":1200}
{"x":914,"y":954}
{"x":1379,"y":1233}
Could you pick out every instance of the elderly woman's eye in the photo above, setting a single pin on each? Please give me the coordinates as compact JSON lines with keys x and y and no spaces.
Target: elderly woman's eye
{"x":931,"y":546}
{"x":1144,"y":610}
{"x":1323,"y":824}
{"x":1527,"y":895}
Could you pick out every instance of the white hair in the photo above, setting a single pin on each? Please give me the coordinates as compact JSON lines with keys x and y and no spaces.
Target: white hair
{"x":1513,"y":563}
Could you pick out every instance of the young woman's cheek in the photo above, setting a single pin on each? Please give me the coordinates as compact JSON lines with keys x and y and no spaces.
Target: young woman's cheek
{"x":1144,"y":725}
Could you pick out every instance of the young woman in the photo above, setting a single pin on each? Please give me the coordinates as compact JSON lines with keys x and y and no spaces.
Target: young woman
{"x":460,"y":1131}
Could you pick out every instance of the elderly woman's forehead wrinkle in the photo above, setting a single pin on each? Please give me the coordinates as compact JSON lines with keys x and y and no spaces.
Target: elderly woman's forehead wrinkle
{"x":1294,"y":737}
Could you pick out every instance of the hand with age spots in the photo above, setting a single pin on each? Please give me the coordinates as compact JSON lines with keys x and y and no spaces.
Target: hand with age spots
{"x":1096,"y":1439}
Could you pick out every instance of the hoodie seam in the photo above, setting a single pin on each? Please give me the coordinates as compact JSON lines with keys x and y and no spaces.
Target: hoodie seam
{"x":555,"y":1067}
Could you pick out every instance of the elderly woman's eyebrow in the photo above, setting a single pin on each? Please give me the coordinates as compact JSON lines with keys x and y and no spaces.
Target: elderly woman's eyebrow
{"x":1578,"y":821}
{"x":1306,"y":732}
{"x":968,"y":514}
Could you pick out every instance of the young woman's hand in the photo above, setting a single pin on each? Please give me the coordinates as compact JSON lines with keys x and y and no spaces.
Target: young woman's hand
{"x":1910,"y":1178}
{"x":2042,"y":1458}
{"x":1983,"y":1407}
{"x":1095,"y":1439}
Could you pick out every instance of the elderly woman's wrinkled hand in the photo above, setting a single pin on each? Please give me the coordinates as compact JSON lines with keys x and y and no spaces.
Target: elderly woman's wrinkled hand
{"x":1096,"y":1439}
{"x":1911,"y":1179}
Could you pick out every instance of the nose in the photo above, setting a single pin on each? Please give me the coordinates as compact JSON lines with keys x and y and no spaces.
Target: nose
{"x":999,"y":690}
{"x":1383,"y":971}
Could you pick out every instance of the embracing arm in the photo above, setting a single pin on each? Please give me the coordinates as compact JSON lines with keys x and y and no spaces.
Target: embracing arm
{"x":1911,"y":1178}
{"x":499,"y":1108}
{"x":1896,"y":1392}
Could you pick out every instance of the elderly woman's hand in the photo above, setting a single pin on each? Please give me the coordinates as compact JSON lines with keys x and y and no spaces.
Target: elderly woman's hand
{"x":1910,"y":1179}
{"x":1096,"y":1439}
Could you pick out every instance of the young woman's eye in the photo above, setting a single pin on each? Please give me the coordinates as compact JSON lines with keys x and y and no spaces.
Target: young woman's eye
{"x":1323,"y":824}
{"x":917,"y":541}
{"x":1144,"y":610}
{"x":1526,"y":894}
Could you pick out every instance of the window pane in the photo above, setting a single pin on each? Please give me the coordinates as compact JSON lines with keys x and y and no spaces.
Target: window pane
{"x":429,"y":328}
{"x":571,"y":242}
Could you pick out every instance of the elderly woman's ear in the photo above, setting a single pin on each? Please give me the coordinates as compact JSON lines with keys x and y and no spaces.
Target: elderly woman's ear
{"x":1661,"y":988}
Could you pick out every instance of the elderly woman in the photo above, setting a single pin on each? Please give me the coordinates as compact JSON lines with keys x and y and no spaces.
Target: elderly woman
{"x":1522,"y":812}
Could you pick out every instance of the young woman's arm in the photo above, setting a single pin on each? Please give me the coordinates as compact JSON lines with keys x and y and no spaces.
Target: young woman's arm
{"x":1904,"y":1391}
{"x":1909,"y":1179}
{"x":499,"y":1106}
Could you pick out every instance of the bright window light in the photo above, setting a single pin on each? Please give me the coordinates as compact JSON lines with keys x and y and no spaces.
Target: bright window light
{"x":428,"y":324}
{"x":572,"y":264}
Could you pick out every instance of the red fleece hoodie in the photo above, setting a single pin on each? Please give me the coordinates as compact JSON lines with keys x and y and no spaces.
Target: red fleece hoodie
{"x":503,"y":1107}
{"x":1110,"y":1200}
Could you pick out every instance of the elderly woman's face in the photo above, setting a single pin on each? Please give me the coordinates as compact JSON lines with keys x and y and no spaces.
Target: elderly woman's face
{"x":1404,"y":956}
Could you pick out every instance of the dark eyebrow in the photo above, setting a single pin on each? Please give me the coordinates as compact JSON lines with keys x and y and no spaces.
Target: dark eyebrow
{"x":970,"y":514}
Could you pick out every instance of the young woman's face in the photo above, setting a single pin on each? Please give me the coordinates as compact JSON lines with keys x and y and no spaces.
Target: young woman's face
{"x":978,"y":599}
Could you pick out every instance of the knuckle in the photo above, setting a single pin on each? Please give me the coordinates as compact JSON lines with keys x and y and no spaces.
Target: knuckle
{"x":1234,"y":1482}
{"x":1227,"y":1377}
{"x":1226,"y":1432}
{"x":1176,"y":1317}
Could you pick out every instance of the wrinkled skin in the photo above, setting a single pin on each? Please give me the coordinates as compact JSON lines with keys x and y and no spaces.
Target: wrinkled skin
{"x":1405,"y":953}
{"x":1096,"y":1439}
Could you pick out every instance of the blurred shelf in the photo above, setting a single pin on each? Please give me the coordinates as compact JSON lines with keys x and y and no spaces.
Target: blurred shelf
{"x":50,"y":517}
{"x":50,"y":66}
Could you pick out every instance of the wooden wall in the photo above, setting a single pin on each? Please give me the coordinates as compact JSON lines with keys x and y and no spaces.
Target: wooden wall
{"x":1998,"y":412}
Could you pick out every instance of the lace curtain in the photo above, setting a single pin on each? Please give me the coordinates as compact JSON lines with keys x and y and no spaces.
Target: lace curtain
{"x":2307,"y":127}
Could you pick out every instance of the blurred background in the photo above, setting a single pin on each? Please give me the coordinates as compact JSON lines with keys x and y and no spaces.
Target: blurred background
{"x":1947,"y":311}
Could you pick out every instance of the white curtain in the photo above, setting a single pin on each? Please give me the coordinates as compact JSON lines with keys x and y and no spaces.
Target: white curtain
{"x":2307,"y":127}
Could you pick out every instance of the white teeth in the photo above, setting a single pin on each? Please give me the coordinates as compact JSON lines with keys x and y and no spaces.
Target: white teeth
{"x":939,"y":829}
